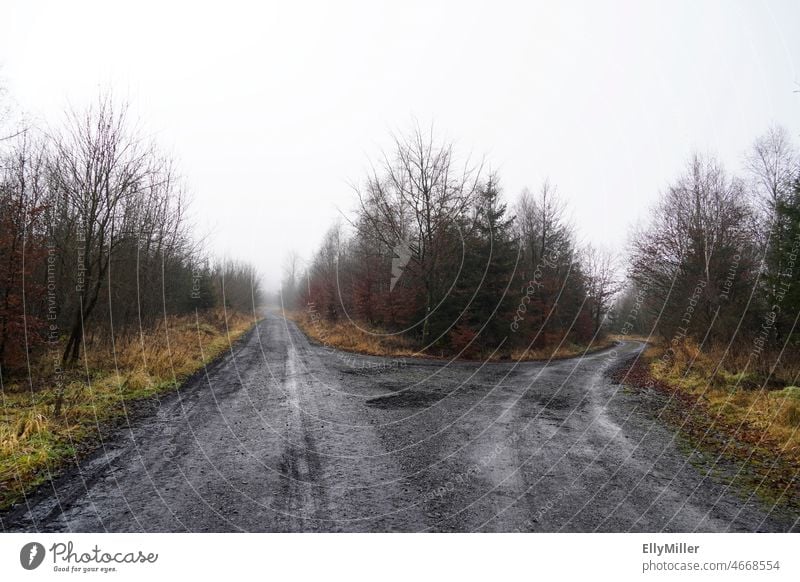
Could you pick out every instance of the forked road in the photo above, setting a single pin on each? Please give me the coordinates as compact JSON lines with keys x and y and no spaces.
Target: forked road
{"x":285,"y":435}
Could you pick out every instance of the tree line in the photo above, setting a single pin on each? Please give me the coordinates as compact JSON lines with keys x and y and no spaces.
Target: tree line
{"x":718,"y":261}
{"x":434,"y":253}
{"x":95,"y":238}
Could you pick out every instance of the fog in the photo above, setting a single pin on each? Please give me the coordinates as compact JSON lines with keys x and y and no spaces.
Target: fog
{"x":273,"y":111}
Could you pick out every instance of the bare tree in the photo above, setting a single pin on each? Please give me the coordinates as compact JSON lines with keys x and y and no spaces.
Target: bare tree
{"x":99,"y":167}
{"x":696,"y":254}
{"x":414,"y":200}
{"x":238,"y":285}
{"x":22,"y":248}
{"x":772,"y":164}
{"x":602,"y":281}
{"x":94,"y":239}
{"x":291,"y":272}
{"x":550,"y":273}
{"x":325,"y":273}
{"x":542,"y":225}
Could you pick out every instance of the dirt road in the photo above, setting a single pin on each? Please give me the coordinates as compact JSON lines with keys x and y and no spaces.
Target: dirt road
{"x":284,"y":435}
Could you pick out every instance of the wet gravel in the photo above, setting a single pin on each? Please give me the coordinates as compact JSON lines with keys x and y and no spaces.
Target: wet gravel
{"x":287,"y":435}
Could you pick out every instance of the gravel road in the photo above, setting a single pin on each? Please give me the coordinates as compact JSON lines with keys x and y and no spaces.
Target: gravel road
{"x":287,"y":435}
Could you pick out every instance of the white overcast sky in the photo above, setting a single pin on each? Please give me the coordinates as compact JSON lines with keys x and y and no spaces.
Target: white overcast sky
{"x":272,"y":109}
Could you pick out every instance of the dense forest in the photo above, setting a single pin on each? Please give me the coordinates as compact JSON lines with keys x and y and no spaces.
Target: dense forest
{"x":434,"y":254}
{"x":95,"y":239}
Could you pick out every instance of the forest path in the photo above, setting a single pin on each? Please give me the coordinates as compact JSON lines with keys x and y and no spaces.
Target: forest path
{"x":286,"y":435}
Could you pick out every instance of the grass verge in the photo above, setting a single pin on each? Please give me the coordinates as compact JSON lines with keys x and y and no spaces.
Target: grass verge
{"x":35,"y":443}
{"x":563,"y":351}
{"x":728,"y":415}
{"x":346,"y":336}
{"x":350,"y":337}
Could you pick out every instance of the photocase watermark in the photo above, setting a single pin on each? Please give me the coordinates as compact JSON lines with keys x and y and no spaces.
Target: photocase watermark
{"x":551,"y":502}
{"x":196,"y":277}
{"x":80,"y":273}
{"x":781,"y":289}
{"x":463,"y":477}
{"x":686,"y":319}
{"x":548,"y":260}
{"x":634,"y":312}
{"x":31,"y":555}
{"x":53,"y":332}
{"x":682,"y":332}
{"x":610,"y":359}
{"x":402,"y":254}
{"x":350,"y":360}
{"x":730,"y":277}
{"x":67,"y":558}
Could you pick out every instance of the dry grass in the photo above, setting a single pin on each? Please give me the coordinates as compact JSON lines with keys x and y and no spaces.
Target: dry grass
{"x":345,"y":335}
{"x":34,"y":442}
{"x":734,"y":398}
{"x":563,"y":351}
{"x":631,"y":337}
{"x":357,"y":338}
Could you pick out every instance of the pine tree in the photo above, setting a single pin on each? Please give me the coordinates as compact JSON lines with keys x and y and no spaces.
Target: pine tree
{"x":783,"y":264}
{"x":484,"y":285}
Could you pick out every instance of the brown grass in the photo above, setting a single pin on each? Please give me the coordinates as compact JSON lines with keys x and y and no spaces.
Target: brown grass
{"x":734,"y":396}
{"x":563,"y":351}
{"x":631,"y":337}
{"x":347,"y":336}
{"x":359,"y":338}
{"x":35,"y":443}
{"x":719,"y":412}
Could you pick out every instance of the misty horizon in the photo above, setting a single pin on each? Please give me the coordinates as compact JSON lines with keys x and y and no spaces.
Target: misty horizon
{"x":280,"y":111}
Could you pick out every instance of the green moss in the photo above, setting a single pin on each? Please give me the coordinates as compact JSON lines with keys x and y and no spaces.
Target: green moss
{"x":792,"y":392}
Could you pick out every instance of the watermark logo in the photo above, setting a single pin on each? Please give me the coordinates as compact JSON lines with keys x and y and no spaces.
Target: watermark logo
{"x":402,"y":254}
{"x":31,"y":555}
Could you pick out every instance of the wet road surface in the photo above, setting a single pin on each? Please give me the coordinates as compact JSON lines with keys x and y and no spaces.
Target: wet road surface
{"x":287,"y":435}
